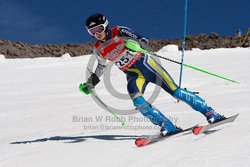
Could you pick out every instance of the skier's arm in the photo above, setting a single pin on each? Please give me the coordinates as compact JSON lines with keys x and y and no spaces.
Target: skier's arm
{"x":127,"y":32}
{"x":93,"y":80}
{"x":100,"y":68}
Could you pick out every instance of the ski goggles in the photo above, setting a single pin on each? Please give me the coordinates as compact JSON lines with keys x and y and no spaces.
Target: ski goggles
{"x":99,"y":29}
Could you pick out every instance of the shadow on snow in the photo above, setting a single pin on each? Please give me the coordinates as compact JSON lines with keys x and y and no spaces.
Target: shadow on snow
{"x":77,"y":139}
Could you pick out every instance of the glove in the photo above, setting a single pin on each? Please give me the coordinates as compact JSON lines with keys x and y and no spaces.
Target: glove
{"x":88,"y":87}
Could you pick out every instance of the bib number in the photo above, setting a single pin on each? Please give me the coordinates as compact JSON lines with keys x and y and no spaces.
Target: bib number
{"x":127,"y":60}
{"x":124,"y":60}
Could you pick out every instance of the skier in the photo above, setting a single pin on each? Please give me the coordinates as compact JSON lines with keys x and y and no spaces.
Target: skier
{"x":140,"y":69}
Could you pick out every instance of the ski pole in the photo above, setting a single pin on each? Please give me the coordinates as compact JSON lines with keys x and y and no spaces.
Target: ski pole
{"x":107,"y":108}
{"x":101,"y":102}
{"x":197,"y":69}
{"x":135,"y":46}
{"x":183,"y":40}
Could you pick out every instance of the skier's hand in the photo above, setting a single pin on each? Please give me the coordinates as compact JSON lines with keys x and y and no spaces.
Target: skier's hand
{"x":86,"y":88}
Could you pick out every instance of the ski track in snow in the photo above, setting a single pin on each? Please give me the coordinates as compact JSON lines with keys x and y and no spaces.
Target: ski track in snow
{"x":40,"y":97}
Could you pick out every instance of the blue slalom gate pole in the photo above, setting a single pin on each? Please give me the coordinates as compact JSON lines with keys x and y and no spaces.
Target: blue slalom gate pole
{"x":184,"y":39}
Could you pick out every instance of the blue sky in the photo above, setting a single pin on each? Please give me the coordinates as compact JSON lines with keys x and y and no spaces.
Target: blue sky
{"x":61,"y":21}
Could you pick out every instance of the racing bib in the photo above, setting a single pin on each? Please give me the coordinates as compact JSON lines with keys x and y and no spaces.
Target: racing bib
{"x":127,"y":59}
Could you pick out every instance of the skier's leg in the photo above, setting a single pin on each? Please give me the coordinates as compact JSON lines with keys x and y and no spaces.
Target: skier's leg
{"x":163,"y":79}
{"x":155,"y":116}
{"x":155,"y":73}
{"x":136,"y":87}
{"x":197,"y":103}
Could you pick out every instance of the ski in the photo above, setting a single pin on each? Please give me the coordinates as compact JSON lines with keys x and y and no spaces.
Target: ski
{"x":144,"y":141}
{"x":201,"y":129}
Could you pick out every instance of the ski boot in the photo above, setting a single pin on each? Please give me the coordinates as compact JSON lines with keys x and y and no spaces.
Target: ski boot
{"x":167,"y":130}
{"x":213,"y":117}
{"x":154,"y":115}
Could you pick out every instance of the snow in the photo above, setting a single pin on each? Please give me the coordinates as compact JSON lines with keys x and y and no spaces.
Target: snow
{"x":46,"y":121}
{"x":169,"y":48}
{"x":66,"y":56}
{"x":2,"y":58}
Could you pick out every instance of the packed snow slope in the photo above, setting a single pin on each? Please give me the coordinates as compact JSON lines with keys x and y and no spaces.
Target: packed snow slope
{"x":46,"y":121}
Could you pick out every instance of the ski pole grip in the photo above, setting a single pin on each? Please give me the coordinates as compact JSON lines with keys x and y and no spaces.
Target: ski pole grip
{"x":86,"y":88}
{"x":135,"y":46}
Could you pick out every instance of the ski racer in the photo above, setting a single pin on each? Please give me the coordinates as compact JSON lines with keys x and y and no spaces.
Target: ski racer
{"x":140,"y":69}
